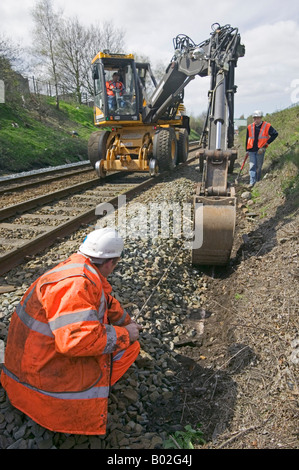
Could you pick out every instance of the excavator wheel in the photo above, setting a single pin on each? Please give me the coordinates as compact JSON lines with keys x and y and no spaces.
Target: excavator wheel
{"x":97,"y":146}
{"x":214,"y":224}
{"x":183,"y":146}
{"x":165,"y":148}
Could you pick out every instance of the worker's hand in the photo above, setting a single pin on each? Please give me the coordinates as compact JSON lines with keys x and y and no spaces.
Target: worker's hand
{"x":261,"y":151}
{"x":133,"y":330}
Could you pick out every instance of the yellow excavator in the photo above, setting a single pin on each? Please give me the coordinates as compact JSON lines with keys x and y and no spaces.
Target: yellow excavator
{"x":143,"y":126}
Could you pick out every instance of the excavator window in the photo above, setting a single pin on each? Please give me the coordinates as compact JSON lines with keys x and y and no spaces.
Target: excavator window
{"x":120,"y":88}
{"x":99,"y":99}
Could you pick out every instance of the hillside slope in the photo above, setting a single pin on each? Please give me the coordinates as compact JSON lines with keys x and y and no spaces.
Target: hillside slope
{"x":241,"y":381}
{"x":37,"y":135}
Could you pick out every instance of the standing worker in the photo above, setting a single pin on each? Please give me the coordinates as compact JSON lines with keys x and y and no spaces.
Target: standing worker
{"x":259,"y":135}
{"x":69,"y":340}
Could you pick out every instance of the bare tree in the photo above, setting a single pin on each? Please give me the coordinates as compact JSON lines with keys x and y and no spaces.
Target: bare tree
{"x":10,"y":51}
{"x":102,"y":37}
{"x":77,"y":47}
{"x":69,"y":47}
{"x":46,"y":37}
{"x":111,"y":38}
{"x":73,"y":46}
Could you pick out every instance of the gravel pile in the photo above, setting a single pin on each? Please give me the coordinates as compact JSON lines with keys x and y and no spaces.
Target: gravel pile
{"x":156,"y":282}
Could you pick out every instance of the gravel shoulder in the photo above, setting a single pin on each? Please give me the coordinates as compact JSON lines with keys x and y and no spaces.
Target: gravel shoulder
{"x":219,"y":347}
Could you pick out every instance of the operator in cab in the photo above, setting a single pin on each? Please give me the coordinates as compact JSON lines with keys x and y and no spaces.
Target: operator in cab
{"x":115,"y":90}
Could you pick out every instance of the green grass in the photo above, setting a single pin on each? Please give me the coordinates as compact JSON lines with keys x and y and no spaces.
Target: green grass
{"x":37,"y":134}
{"x":238,"y":296}
{"x":193,"y":135}
{"x":185,"y":439}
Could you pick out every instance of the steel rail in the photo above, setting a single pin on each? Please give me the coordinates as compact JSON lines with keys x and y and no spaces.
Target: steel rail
{"x":40,"y":200}
{"x":16,"y":256}
{"x":45,"y":171}
{"x":75,"y":169}
{"x":46,"y":198}
{"x":44,"y":240}
{"x":32,"y":184}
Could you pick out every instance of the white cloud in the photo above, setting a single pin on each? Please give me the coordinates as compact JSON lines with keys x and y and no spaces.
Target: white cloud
{"x":269,"y":66}
{"x":269,"y":30}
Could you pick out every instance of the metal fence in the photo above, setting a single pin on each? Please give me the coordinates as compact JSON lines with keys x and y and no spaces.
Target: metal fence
{"x":46,"y":88}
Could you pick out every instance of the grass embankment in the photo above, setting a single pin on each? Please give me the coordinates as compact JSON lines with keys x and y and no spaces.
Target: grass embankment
{"x":37,"y":135}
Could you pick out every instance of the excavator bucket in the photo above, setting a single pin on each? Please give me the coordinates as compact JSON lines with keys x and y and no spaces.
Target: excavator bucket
{"x":214,"y":210}
{"x":216,"y":218}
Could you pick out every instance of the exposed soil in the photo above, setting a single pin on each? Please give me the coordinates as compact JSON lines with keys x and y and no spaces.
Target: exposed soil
{"x":239,"y":379}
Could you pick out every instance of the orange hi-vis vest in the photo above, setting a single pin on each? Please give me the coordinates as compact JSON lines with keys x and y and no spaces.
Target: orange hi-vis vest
{"x":111,"y":85}
{"x":60,"y":344}
{"x":263,"y":135}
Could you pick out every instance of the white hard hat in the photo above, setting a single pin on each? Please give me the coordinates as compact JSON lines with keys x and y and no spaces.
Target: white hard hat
{"x":257,"y":113}
{"x":103,"y":243}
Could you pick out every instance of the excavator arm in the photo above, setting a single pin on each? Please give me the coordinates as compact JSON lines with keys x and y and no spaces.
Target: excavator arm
{"x":214,"y":200}
{"x":219,"y":54}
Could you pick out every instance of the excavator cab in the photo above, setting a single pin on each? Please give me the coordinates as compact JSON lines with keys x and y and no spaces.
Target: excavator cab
{"x":116,"y":89}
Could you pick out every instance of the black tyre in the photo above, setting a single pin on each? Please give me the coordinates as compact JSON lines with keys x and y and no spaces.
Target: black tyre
{"x":97,"y":146}
{"x":183,"y":146}
{"x":165,"y":149}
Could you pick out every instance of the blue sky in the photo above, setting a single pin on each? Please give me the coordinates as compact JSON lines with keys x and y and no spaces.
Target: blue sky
{"x":267,"y":77}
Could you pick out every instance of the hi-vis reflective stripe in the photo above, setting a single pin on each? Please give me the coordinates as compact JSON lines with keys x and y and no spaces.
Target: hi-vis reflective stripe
{"x":66,"y":268}
{"x":33,"y":324}
{"x":73,"y":266}
{"x":111,"y":339}
{"x":70,"y":318}
{"x":92,"y":392}
{"x":118,"y":355}
{"x":261,"y":136}
{"x":102,"y":307}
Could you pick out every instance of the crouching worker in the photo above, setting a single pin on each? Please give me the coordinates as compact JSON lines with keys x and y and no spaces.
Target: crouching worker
{"x":69,"y":340}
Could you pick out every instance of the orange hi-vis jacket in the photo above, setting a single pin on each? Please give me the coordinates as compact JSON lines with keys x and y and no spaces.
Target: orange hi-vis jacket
{"x":111,"y":85}
{"x":59,"y":349}
{"x":263,"y":135}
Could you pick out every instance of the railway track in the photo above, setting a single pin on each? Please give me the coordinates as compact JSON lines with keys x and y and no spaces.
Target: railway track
{"x":21,"y":183}
{"x":29,"y":227}
{"x":57,"y":170}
